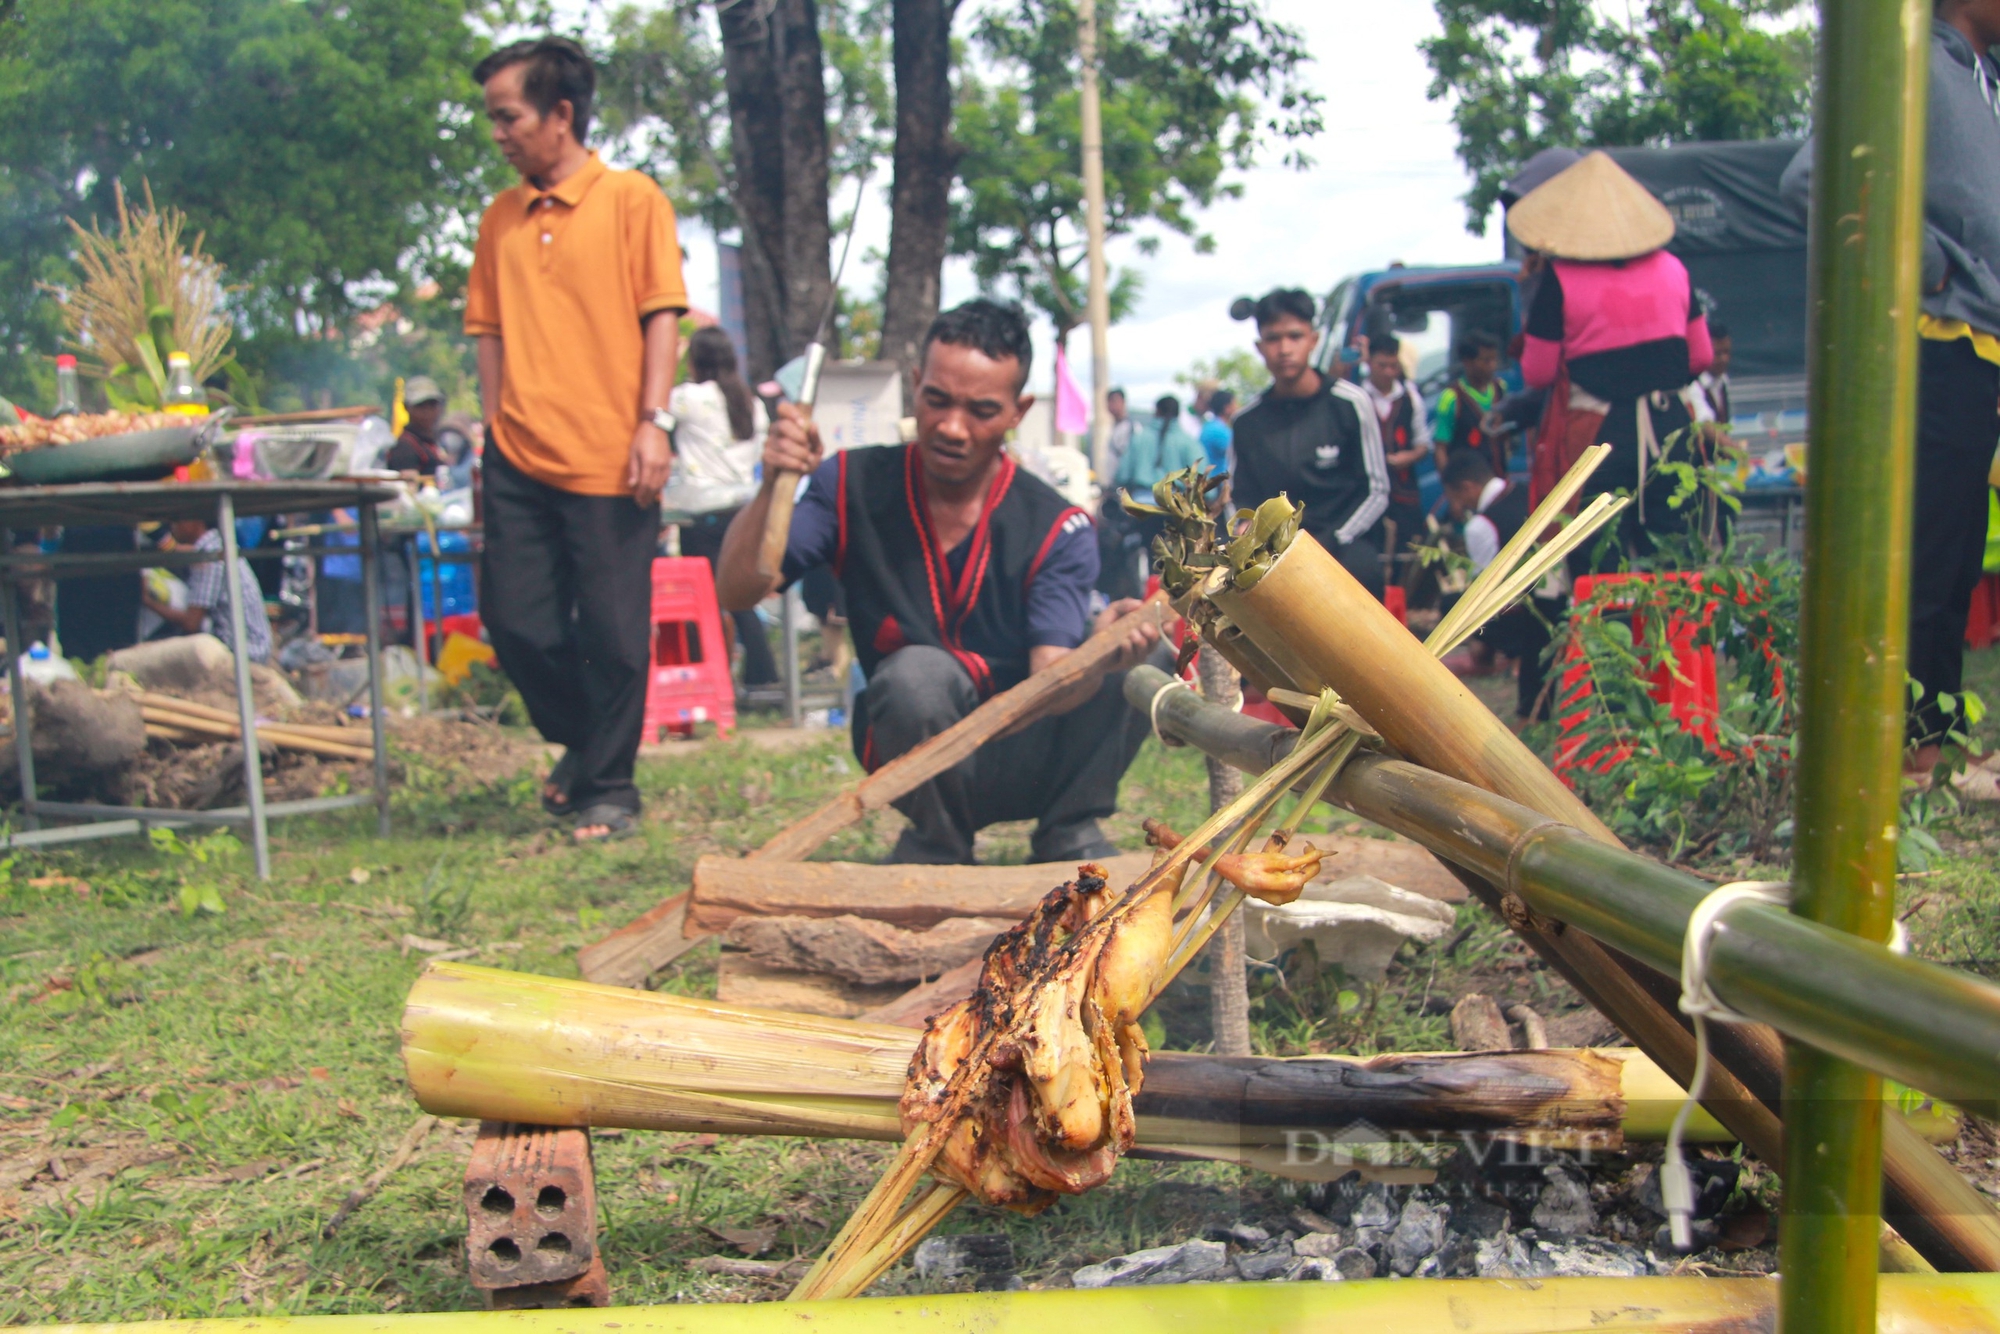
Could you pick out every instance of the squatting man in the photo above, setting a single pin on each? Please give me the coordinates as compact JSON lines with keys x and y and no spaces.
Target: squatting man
{"x":964,"y":574}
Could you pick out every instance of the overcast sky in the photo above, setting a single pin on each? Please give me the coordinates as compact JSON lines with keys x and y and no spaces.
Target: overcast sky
{"x":1385,"y":186}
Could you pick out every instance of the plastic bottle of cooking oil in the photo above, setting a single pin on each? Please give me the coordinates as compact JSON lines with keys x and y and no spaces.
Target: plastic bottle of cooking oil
{"x":184,"y":397}
{"x":68,"y":400}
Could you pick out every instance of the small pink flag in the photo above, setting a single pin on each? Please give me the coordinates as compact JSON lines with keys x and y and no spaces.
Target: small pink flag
{"x":1072,"y":408}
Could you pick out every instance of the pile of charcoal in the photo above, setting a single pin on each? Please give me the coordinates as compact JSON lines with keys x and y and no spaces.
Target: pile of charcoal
{"x":1492,"y":1215}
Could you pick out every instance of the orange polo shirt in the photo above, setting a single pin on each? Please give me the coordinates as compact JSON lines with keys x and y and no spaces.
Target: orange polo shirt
{"x":564,"y":277}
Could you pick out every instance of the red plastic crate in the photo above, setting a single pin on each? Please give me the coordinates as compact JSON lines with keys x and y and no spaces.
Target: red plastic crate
{"x":688,"y":682}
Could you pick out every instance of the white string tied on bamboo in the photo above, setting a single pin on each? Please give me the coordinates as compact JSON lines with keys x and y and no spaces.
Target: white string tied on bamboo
{"x":1153,"y":710}
{"x":1700,"y":1003}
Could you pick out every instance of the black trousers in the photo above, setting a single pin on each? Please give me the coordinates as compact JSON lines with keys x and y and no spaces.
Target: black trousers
{"x":1522,"y":632}
{"x":703,"y":537}
{"x":1121,"y":537}
{"x":1062,"y":772}
{"x":1620,"y":472}
{"x":1361,"y":558}
{"x":1958,"y":397}
{"x":566,"y":593}
{"x":1410,"y":526}
{"x":98,"y":613}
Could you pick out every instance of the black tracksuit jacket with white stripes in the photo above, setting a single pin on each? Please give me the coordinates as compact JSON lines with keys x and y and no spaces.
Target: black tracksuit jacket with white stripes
{"x":1324,"y":450}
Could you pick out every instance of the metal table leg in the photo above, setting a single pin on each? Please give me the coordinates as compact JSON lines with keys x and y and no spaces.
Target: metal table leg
{"x":246,"y":702}
{"x":371,"y":585}
{"x":24,"y":749}
{"x":419,"y":637}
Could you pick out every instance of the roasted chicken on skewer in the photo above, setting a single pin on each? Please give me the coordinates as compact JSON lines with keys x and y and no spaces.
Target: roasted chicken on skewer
{"x":1058,"y":1002}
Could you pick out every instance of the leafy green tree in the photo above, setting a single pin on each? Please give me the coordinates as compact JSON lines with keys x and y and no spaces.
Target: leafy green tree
{"x":1524,"y":75}
{"x":730,"y":158}
{"x":331,"y":154}
{"x":1239,"y":370}
{"x":1190,"y":90}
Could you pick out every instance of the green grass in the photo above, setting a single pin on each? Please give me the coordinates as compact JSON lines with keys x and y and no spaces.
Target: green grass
{"x":262,"y":1041}
{"x":215,"y":1083}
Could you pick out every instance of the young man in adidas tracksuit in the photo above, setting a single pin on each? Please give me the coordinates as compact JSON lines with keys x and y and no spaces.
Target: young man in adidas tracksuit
{"x":964,"y":574}
{"x":1315,"y":439}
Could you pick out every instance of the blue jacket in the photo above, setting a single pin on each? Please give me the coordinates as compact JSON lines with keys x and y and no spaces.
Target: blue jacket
{"x":1158,"y":448}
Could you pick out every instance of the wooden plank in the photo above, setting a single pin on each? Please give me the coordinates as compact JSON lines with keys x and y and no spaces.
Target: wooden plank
{"x":1004,"y":713}
{"x":1397,"y":861}
{"x":726,"y":888}
{"x":634,"y":952}
{"x":919,"y":1003}
{"x":739,"y":980}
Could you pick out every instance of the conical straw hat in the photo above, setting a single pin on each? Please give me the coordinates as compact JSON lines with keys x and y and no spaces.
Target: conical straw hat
{"x":1591,"y":211}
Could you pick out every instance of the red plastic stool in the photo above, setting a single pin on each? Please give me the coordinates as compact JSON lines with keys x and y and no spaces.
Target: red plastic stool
{"x":1982,"y":623}
{"x":1397,"y":600}
{"x":688,"y":680}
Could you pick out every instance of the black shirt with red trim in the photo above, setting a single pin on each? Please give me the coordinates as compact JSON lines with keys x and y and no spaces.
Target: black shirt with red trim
{"x":1021,"y":579}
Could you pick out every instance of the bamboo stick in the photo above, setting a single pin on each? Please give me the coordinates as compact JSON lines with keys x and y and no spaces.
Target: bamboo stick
{"x":176,"y":704}
{"x":187,"y":706}
{"x":309,"y":415}
{"x":182,"y":727}
{"x":494,"y":1045}
{"x":204,"y":731}
{"x":1005,"y":712}
{"x":166,"y":733}
{"x":1910,"y":1304}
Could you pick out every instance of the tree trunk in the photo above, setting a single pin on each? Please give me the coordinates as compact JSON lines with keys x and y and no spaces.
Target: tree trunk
{"x":807,"y":268}
{"x":926,"y":161}
{"x":1229,"y":990}
{"x":756,"y":135}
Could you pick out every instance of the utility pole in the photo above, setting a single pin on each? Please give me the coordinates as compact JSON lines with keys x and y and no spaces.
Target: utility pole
{"x":1098,"y":308}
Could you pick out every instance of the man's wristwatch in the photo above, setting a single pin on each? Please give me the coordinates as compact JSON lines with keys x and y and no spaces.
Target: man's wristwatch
{"x":663,"y":419}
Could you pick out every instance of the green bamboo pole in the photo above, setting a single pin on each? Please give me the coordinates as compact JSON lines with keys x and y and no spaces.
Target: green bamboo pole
{"x":1868,"y":180}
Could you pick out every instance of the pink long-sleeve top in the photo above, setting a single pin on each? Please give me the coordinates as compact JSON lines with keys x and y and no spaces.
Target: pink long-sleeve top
{"x":1623,"y":329}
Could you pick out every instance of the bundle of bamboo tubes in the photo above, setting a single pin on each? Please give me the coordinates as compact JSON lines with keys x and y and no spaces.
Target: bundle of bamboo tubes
{"x":174,"y":719}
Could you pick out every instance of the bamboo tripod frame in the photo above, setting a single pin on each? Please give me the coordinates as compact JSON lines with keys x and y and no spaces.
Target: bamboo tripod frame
{"x":1336,"y":635}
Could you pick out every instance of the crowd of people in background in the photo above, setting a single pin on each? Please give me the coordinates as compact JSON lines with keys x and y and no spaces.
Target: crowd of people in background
{"x":1614,"y":346}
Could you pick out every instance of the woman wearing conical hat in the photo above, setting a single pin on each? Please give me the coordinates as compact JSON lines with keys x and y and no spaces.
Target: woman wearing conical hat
{"x":1614,"y":331}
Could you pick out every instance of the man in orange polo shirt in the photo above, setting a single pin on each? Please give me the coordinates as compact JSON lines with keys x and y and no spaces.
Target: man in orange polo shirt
{"x":575,"y":297}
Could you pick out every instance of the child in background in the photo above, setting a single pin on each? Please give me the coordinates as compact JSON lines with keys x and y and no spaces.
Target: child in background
{"x":1492,"y":510}
{"x":1406,"y":435}
{"x":1711,"y":397}
{"x":1462,"y":407}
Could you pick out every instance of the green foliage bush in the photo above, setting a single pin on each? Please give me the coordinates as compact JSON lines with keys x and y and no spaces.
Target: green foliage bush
{"x":1652,"y":779}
